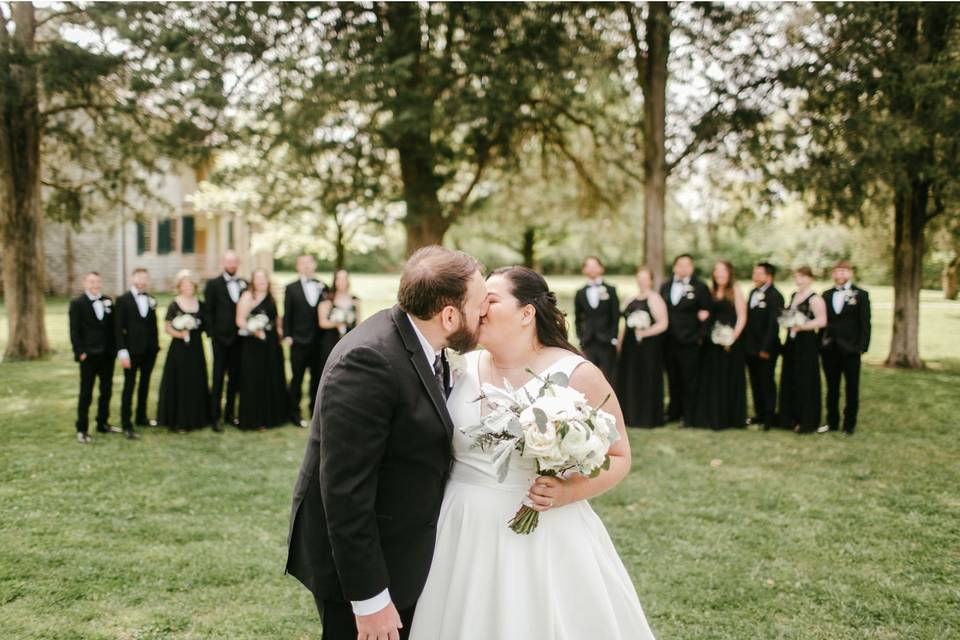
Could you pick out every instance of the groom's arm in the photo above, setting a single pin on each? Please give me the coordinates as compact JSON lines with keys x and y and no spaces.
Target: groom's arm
{"x":358,"y":399}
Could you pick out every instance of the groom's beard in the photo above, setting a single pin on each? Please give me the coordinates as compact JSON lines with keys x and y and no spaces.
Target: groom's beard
{"x":463,"y":340}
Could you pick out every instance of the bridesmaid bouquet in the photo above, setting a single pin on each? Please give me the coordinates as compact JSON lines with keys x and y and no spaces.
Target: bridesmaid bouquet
{"x":638,"y":321}
{"x":791,"y":318}
{"x":257,"y":323}
{"x":185,"y":322}
{"x":557,"y":428}
{"x":342,"y":317}
{"x":722,"y":335}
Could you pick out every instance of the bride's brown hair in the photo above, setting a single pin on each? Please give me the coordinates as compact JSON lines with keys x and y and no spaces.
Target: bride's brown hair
{"x":529,"y":287}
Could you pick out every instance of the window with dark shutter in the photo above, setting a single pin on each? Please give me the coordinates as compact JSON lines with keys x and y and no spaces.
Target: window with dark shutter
{"x":187,"y":235}
{"x":164,"y":236}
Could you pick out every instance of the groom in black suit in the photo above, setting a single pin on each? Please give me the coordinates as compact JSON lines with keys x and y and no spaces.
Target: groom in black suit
{"x":92,"y":338}
{"x":688,"y":304}
{"x":302,"y":329}
{"x":845,"y":338}
{"x":597,"y":315}
{"x":137,"y":347}
{"x":220,"y":296}
{"x":366,"y":503}
{"x":761,"y":340}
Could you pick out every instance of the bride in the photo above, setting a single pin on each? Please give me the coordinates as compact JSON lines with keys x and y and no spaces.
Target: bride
{"x":564,"y":580}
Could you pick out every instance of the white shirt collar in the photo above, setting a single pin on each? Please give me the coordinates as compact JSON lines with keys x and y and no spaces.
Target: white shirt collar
{"x":92,"y":297}
{"x":765,"y":286}
{"x":595,"y":283}
{"x":428,"y":349}
{"x":677,"y":280}
{"x":845,"y":286}
{"x":228,"y":277}
{"x":135,"y":292}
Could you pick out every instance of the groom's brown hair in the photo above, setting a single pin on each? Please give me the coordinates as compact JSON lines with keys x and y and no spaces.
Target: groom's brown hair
{"x":434,"y":278}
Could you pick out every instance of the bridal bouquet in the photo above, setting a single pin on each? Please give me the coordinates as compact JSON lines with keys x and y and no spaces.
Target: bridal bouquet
{"x":638,"y":321}
{"x":341,"y":317}
{"x":557,"y":428}
{"x":722,"y":335}
{"x":257,"y":323}
{"x":185,"y":322}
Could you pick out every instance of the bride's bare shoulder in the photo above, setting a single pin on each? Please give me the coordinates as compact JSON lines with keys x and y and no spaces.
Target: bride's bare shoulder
{"x":589,"y":380}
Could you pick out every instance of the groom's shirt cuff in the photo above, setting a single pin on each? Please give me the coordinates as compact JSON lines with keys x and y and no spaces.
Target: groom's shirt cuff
{"x":371,"y":606}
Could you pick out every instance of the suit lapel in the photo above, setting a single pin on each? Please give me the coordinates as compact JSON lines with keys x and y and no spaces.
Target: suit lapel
{"x":424,"y":370}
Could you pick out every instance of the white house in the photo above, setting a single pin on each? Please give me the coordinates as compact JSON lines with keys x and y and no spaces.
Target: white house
{"x":184,"y":239}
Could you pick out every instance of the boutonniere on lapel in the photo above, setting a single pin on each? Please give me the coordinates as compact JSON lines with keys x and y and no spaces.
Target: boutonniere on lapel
{"x":850,"y":298}
{"x":153,"y":302}
{"x":242,"y":284}
{"x":761,"y":298}
{"x":457,"y":363}
{"x":604,"y":295}
{"x":688,"y":291}
{"x":107,"y":304}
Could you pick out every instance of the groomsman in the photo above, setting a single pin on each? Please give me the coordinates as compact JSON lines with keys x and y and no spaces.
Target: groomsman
{"x":302,"y":329}
{"x":845,"y":338}
{"x":597,"y":314}
{"x":761,"y":339}
{"x":220,"y":300}
{"x":137,"y":347}
{"x":688,"y":304}
{"x":92,"y":337}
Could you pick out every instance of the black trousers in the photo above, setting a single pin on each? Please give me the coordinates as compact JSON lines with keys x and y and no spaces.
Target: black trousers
{"x":141,"y":365}
{"x":763,"y":387}
{"x":92,"y":368}
{"x":340,"y":624}
{"x":682,"y":363}
{"x":303,"y":358}
{"x":604,"y":356}
{"x":226,"y":362}
{"x":837,"y":364}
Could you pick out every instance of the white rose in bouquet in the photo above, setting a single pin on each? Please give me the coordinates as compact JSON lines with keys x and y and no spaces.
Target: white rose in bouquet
{"x":185,"y":322}
{"x":722,"y":335}
{"x":342,"y":317}
{"x":791,"y":318}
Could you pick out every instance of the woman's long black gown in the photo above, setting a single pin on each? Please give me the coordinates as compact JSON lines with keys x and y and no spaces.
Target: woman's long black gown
{"x":800,"y":403}
{"x":722,"y":391}
{"x":264,"y":401}
{"x":639,"y":381}
{"x":184,"y":401}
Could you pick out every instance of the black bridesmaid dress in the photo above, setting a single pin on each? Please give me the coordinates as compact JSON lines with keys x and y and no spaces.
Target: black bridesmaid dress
{"x":184,"y":401}
{"x":264,"y":401}
{"x":800,"y":377}
{"x":722,"y":392}
{"x":639,"y":380}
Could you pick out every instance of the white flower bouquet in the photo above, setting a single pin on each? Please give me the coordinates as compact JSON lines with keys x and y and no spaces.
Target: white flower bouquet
{"x":638,"y":321}
{"x":257,"y":323}
{"x":342,"y":317}
{"x":557,"y":428}
{"x":185,"y":322}
{"x":722,"y":335}
{"x":791,"y":318}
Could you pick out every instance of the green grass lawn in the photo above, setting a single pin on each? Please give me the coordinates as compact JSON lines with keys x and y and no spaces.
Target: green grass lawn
{"x":732,"y":535}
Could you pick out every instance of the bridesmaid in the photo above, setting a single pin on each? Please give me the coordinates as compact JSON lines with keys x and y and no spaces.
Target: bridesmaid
{"x":264,"y":401}
{"x":639,"y":379}
{"x":338,"y":314}
{"x":722,"y":395}
{"x":800,"y":376}
{"x":184,"y":401}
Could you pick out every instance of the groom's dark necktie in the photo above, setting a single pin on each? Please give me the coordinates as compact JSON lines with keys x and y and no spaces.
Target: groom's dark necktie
{"x":438,"y":374}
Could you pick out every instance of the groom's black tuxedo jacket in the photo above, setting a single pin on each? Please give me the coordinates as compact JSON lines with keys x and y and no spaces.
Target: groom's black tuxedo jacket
{"x":366,"y":502}
{"x":848,"y":331}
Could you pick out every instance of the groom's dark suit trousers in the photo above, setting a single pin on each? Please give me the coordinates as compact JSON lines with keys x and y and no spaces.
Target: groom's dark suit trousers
{"x":340,"y":624}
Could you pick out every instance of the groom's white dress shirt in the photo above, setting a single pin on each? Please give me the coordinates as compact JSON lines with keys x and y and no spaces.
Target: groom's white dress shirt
{"x":840,"y":296}
{"x":382,"y":599}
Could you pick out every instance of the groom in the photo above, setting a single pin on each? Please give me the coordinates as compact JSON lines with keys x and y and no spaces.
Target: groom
{"x":367,"y":500}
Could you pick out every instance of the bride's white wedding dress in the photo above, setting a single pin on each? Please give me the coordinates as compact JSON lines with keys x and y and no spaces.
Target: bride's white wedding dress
{"x":564,"y":581}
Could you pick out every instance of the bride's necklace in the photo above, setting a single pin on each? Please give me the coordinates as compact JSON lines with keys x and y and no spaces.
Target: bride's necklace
{"x":502,"y":372}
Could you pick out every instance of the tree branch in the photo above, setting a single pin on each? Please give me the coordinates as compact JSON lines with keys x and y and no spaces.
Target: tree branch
{"x":74,"y":10}
{"x":639,"y":59}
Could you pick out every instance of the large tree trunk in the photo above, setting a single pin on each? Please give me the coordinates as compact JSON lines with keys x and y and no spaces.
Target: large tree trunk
{"x":910,"y":212}
{"x":529,"y":249}
{"x":413,"y":109}
{"x":654,"y":127}
{"x":950,"y":284}
{"x":21,"y":213}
